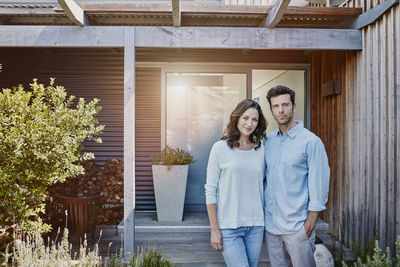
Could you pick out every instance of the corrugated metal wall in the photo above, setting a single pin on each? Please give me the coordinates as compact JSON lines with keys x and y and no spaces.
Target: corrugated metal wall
{"x":87,"y":73}
{"x":361,"y":128}
{"x":98,"y":73}
{"x":148,"y":132}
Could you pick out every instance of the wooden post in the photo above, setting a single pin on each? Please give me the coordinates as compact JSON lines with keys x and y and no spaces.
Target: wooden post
{"x":373,"y":14}
{"x":276,"y":13}
{"x":129,"y":143}
{"x":74,"y":12}
{"x":176,"y":13}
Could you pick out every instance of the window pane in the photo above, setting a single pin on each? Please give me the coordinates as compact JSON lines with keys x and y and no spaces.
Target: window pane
{"x":198,"y":110}
{"x":263,"y":80}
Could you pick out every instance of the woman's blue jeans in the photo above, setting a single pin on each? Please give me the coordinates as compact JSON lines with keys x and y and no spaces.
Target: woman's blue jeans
{"x":241,"y":247}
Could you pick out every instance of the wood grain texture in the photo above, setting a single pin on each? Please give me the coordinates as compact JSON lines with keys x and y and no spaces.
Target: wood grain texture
{"x":61,"y":36}
{"x":276,"y":13}
{"x":129,"y":143}
{"x":360,"y":129}
{"x":74,"y":12}
{"x":373,"y":14}
{"x":253,"y":38}
{"x":213,"y":8}
{"x":187,"y":37}
{"x":176,"y":12}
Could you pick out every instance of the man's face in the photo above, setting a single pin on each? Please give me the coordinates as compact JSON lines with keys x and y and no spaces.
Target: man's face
{"x":282,"y":109}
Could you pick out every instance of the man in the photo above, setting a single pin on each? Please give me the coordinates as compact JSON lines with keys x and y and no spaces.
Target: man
{"x":296,"y":187}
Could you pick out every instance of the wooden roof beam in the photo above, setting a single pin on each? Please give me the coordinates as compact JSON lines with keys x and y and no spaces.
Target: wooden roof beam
{"x":176,"y":13}
{"x":182,"y":37}
{"x":373,"y":14}
{"x":74,"y":12}
{"x":276,"y":13}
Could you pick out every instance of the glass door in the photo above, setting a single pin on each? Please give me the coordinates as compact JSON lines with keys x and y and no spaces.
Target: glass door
{"x":198,"y":106}
{"x":197,"y":103}
{"x":265,"y":79}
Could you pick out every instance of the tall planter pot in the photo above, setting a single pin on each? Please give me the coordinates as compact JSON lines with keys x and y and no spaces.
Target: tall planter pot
{"x":170,"y":189}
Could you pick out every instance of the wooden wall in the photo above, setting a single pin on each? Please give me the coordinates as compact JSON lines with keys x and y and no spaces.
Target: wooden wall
{"x":327,"y":118}
{"x":361,"y":131}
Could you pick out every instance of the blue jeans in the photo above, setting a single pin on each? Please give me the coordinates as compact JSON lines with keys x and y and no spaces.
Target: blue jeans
{"x":241,"y":247}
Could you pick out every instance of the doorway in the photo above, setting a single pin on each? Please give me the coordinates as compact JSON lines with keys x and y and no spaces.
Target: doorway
{"x":196,"y":106}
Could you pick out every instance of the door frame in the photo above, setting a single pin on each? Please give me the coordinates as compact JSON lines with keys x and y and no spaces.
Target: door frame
{"x":226,"y":67}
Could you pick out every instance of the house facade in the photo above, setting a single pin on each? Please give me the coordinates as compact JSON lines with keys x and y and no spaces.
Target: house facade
{"x":170,"y":72}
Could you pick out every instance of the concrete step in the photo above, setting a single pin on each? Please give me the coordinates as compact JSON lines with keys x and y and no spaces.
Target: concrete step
{"x":185,"y":243}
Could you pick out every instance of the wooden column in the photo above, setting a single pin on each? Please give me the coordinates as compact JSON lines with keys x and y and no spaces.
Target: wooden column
{"x":176,"y":13}
{"x":129,"y":142}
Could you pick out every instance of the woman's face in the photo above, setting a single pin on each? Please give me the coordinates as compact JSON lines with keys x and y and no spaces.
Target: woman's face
{"x":248,"y":121}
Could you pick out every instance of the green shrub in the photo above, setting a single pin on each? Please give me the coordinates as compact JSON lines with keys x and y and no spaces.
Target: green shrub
{"x":116,"y":260}
{"x":41,"y":137}
{"x":30,"y":250}
{"x":141,"y":258}
{"x":170,"y":156}
{"x":150,"y":258}
{"x":379,"y":259}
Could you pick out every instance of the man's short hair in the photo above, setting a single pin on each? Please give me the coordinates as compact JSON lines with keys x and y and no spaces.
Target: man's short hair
{"x":281,"y":90}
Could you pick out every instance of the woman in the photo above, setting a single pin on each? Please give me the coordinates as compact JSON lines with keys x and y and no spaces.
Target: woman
{"x":234,"y":187}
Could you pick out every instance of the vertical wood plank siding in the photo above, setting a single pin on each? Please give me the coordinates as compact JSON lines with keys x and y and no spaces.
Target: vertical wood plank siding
{"x":361,"y":131}
{"x":98,"y":73}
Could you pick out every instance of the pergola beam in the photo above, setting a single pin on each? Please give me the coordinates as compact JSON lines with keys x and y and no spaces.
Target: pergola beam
{"x":373,"y":14}
{"x":26,"y":11}
{"x":248,"y":38}
{"x":74,"y":12}
{"x":182,"y":37}
{"x":176,"y":13}
{"x":190,"y":8}
{"x":61,"y":36}
{"x":276,"y":13}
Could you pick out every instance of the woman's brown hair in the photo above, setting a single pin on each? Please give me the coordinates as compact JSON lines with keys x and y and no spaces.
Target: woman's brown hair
{"x":232,"y":134}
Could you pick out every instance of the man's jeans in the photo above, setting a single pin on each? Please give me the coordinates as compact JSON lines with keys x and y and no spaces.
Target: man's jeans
{"x":241,"y":247}
{"x":295,"y":250}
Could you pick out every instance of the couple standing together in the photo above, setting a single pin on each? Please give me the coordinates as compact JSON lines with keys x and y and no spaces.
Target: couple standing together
{"x":278,"y":183}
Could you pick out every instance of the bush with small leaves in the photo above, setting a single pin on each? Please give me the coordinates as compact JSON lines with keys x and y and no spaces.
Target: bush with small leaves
{"x":30,"y":250}
{"x":41,"y":135}
{"x":379,"y":259}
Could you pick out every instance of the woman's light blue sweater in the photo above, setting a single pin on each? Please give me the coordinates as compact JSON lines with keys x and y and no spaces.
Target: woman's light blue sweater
{"x":235,"y":184}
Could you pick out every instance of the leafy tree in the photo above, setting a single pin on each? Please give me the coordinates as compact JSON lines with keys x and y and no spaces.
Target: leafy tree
{"x":41,"y":136}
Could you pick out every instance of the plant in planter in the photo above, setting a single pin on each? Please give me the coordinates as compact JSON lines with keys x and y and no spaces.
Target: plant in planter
{"x":170,"y":171}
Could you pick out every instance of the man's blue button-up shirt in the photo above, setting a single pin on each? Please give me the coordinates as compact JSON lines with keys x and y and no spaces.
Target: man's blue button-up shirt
{"x":297,"y":178}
